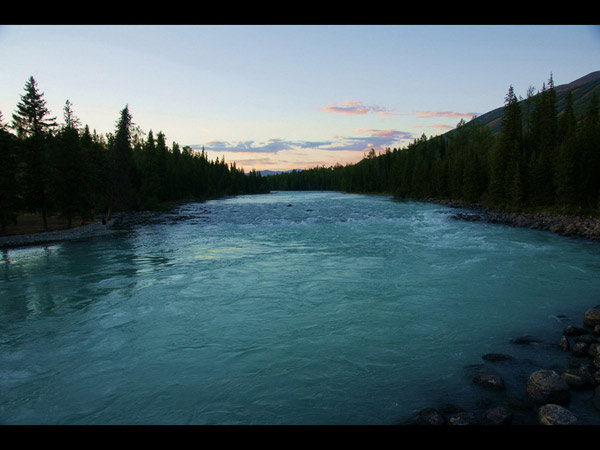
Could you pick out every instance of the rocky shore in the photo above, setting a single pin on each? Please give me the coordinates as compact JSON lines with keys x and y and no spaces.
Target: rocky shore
{"x":571,"y":226}
{"x":548,"y":395}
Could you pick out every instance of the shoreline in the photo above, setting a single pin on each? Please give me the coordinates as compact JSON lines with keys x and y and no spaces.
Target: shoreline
{"x":587,"y":228}
{"x":81,"y":232}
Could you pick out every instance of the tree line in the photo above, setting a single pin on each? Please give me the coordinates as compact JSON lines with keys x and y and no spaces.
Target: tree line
{"x":50,"y":168}
{"x":539,"y":160}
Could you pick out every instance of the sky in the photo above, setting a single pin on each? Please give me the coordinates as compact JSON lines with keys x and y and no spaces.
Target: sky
{"x":281,"y":97}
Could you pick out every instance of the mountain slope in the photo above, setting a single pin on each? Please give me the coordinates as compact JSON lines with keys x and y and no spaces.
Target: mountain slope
{"x":581,"y":88}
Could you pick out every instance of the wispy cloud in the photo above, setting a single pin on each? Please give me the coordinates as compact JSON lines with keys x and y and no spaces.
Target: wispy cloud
{"x":365,"y":140}
{"x":270,"y":146}
{"x":356,"y":108}
{"x":378,"y":139}
{"x":450,"y":114}
{"x":441,"y":126}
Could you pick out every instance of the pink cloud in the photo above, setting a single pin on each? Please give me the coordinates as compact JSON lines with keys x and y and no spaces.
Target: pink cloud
{"x":451,"y":114}
{"x":384,"y":133}
{"x":356,"y":108}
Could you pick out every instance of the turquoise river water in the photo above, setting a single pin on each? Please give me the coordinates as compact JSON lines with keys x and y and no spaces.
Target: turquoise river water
{"x":284,"y":308}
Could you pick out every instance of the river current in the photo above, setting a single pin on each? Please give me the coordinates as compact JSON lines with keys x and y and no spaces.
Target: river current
{"x":284,"y":308}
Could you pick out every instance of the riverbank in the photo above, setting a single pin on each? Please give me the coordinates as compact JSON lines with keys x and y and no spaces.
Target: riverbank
{"x":29,"y":231}
{"x":563,"y":225}
{"x":87,"y":231}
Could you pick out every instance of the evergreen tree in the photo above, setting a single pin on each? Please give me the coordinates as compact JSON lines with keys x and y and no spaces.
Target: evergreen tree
{"x":565,"y":172}
{"x":162,"y":155}
{"x":71,"y":120}
{"x":589,"y":144}
{"x":9,"y":188}
{"x":68,"y":177}
{"x":120,"y":189}
{"x":506,"y":155}
{"x":542,"y":167}
{"x":31,"y":118}
{"x":96,"y":171}
{"x":34,"y":128}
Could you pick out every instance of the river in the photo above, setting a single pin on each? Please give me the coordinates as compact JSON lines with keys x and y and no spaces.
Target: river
{"x":283,"y":308}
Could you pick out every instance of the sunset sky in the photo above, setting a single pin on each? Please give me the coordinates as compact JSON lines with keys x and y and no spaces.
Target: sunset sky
{"x":280,"y":97}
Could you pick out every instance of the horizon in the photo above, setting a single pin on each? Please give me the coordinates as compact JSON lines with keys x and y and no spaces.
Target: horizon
{"x":288,"y":97}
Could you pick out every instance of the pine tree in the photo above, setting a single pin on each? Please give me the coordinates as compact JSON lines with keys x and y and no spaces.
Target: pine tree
{"x":120,"y":189}
{"x":542,"y":142}
{"x":96,"y":172}
{"x":9,"y":188}
{"x":68,"y":177}
{"x":34,"y":128}
{"x":31,"y":119}
{"x":71,"y":120}
{"x":589,"y":141}
{"x":506,"y":155}
{"x":162,"y":155}
{"x":565,"y":171}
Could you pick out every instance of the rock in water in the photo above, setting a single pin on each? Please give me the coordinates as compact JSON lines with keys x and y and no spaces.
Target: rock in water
{"x":525,"y":340}
{"x":591,"y":318}
{"x":564,"y":343}
{"x":463,"y":418}
{"x":546,"y":386}
{"x":581,"y":348}
{"x":575,"y":331}
{"x":552,"y":414}
{"x":492,"y":382}
{"x":580,"y":380}
{"x":430,"y":416}
{"x":496,"y":357}
{"x":498,"y":416}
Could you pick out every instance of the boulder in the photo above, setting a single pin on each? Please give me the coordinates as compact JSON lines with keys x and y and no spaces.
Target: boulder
{"x":430,"y":416}
{"x":498,"y":416}
{"x":578,"y":361}
{"x":496,"y":357}
{"x":575,"y":331}
{"x":591,"y":317}
{"x":552,"y":414}
{"x":594,"y":349}
{"x":564,"y":343}
{"x":580,"y":348}
{"x":463,"y":418}
{"x":546,"y":386}
{"x":525,"y":340}
{"x":587,"y":338}
{"x":579,"y":380}
{"x":492,"y":382}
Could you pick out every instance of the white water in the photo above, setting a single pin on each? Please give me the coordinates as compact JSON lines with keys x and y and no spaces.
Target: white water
{"x":338,"y":309}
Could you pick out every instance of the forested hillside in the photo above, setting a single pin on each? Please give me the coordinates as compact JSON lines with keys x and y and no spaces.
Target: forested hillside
{"x":65,"y":169}
{"x":541,"y":158}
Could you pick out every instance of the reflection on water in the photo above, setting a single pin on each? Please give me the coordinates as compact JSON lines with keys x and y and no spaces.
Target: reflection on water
{"x":287,"y":308}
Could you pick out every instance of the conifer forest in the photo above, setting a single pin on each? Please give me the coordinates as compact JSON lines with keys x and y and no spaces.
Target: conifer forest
{"x":540,"y":159}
